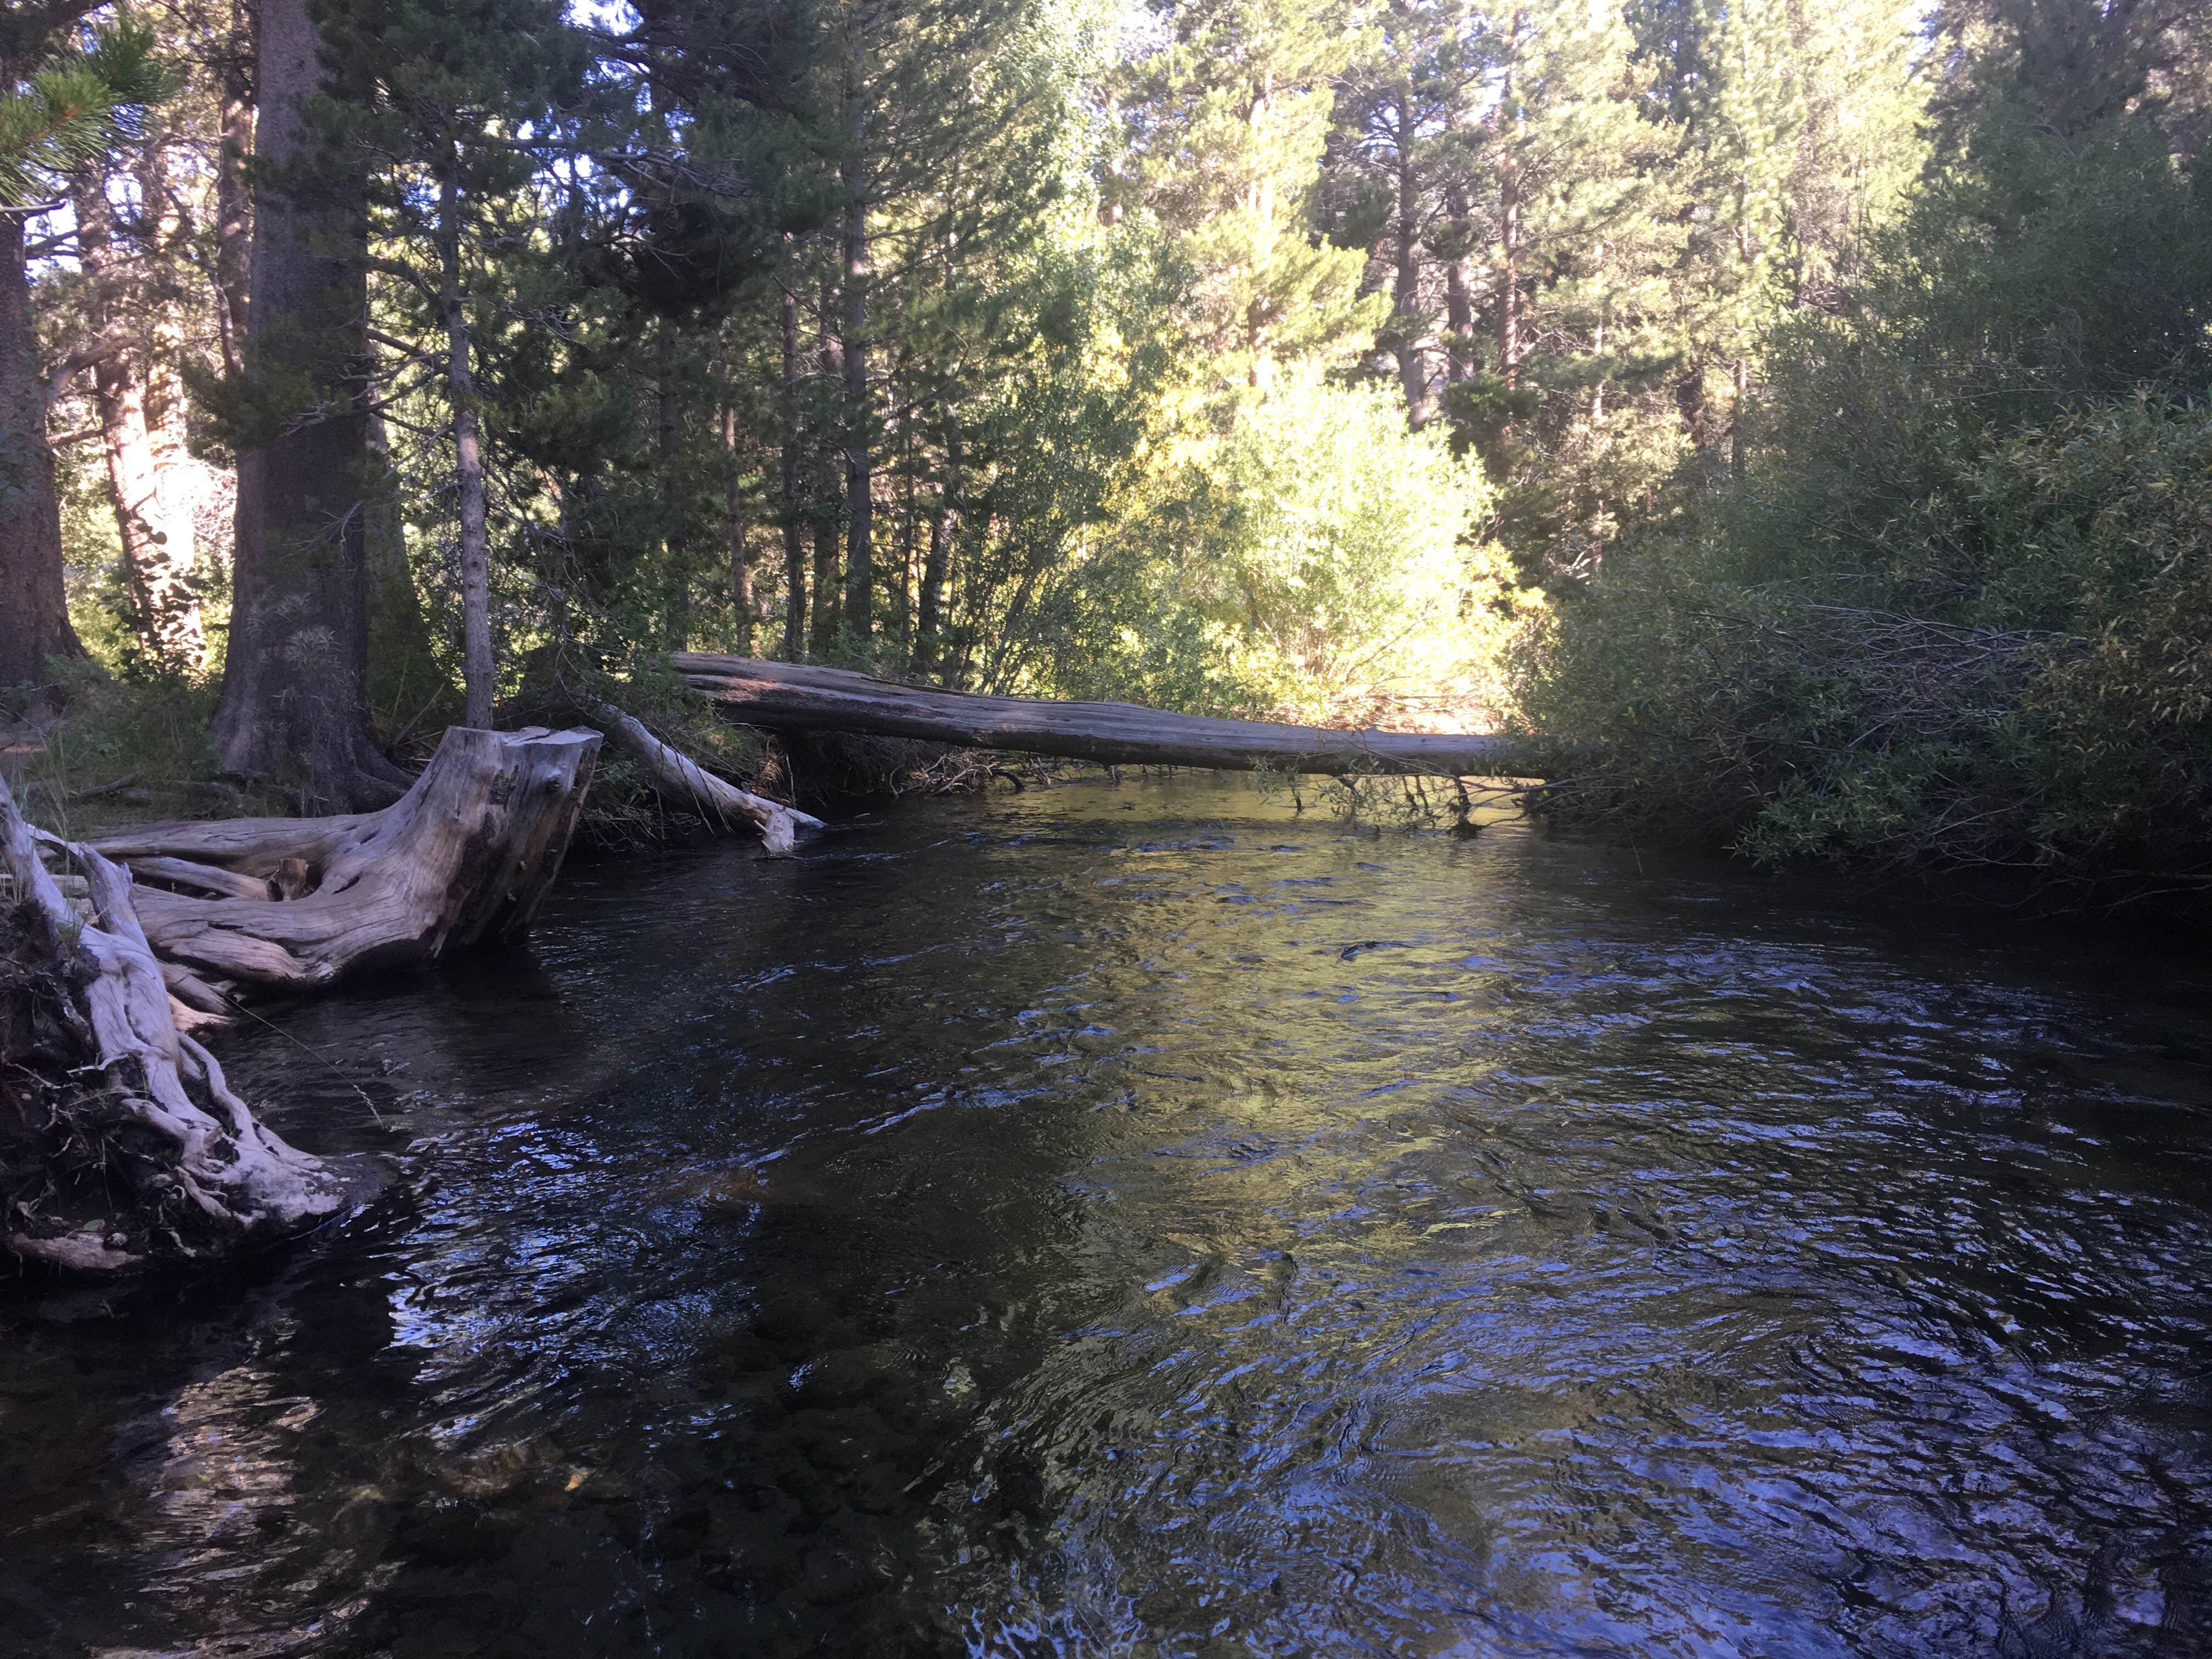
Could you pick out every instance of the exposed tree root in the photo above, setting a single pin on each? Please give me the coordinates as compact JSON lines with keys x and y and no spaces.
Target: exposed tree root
{"x":121,"y":1143}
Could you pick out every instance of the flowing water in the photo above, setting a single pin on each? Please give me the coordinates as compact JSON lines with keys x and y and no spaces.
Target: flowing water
{"x":1145,"y":1221}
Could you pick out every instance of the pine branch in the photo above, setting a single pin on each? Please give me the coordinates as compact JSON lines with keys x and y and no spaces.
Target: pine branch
{"x":75,"y":109}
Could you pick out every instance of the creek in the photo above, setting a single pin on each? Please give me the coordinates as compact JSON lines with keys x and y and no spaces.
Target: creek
{"x":1144,"y":1220}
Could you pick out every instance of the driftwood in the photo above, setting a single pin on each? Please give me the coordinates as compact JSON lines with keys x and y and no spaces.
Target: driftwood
{"x":465,"y":855}
{"x":120,"y":1142}
{"x":683,"y":782}
{"x":791,"y":697}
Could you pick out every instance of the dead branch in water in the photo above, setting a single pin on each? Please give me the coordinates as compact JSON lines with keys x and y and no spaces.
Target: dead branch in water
{"x":683,"y":782}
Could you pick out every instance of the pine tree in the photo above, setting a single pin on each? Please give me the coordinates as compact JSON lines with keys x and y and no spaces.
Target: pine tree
{"x":1225,"y":125}
{"x":1390,"y":182}
{"x":1748,"y":118}
{"x":151,"y":256}
{"x":1861,"y":145}
{"x":59,"y":108}
{"x":295,"y":678}
{"x":441,"y":93}
{"x":1560,"y":218}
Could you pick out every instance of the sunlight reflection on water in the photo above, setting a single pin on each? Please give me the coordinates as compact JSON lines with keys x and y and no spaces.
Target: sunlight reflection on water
{"x":1032,"y":1226}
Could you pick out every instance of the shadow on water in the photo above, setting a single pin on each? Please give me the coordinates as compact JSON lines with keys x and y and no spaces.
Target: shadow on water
{"x":1140,"y":1221}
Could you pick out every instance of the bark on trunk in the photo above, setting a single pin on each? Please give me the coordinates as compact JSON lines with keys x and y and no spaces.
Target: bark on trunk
{"x":823,"y":640}
{"x":1405,"y":296}
{"x":929,"y":608}
{"x":682,"y":782}
{"x":794,"y":536}
{"x":790,"y":697}
{"x":466,"y":856}
{"x":35,"y":621}
{"x":233,"y":201}
{"x":1459,"y":292}
{"x":479,"y":677}
{"x":1508,"y":278}
{"x":859,"y":463}
{"x":902,"y":619}
{"x":294,"y":695}
{"x":735,"y":534}
{"x":120,"y":1142}
{"x":676,"y":618}
{"x":398,"y":632}
{"x":175,"y":504}
{"x":139,"y":403}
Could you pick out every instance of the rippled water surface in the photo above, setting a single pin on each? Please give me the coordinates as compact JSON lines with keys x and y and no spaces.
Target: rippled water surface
{"x":1142,"y":1221}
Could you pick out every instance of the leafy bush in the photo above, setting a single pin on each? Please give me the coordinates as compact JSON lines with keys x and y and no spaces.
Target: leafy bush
{"x":1312,"y":558}
{"x":1956,"y":612}
{"x":1327,"y":546}
{"x":2060,"y":717}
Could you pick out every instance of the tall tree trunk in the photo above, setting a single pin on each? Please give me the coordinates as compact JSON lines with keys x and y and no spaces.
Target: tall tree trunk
{"x":139,"y":403}
{"x":403,"y":670}
{"x":677,"y":614}
{"x":734,"y":534}
{"x":1406,"y":295}
{"x":1509,"y":230}
{"x":905,"y":615}
{"x":1509,"y":276}
{"x":233,"y":199}
{"x":829,"y":611}
{"x":168,"y":407}
{"x":295,"y":692}
{"x":929,"y":607}
{"x":479,"y":677}
{"x":860,"y":469}
{"x":795,"y":537}
{"x":35,"y":621}
{"x":1459,"y":291}
{"x":823,"y":642}
{"x":118,"y":402}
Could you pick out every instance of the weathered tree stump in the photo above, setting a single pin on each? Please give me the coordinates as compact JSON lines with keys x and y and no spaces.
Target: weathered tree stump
{"x":120,"y":1142}
{"x":465,"y":856}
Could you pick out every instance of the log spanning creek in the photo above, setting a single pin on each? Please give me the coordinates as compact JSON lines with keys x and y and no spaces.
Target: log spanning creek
{"x":1139,"y":1221}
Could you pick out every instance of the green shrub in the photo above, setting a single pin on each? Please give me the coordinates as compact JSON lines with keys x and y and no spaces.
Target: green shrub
{"x":2059,"y":716}
{"x":1957,"y":612}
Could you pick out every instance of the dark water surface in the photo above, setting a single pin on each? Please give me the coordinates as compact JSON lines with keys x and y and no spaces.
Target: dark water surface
{"x":1139,"y":1222}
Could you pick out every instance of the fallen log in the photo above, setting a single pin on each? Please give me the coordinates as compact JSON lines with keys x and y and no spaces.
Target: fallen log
{"x":684,"y":783}
{"x":121,"y":1142}
{"x":780,"y":697}
{"x":465,"y":856}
